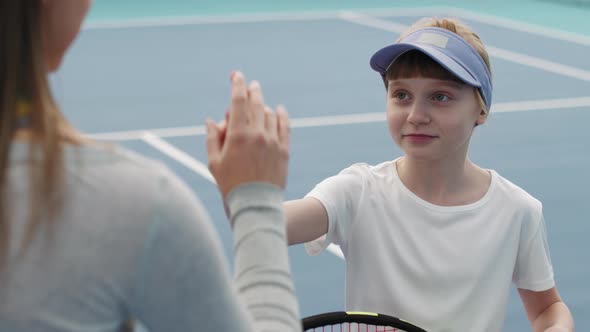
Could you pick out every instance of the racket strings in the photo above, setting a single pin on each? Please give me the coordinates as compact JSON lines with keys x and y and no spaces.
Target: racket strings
{"x":354,"y":327}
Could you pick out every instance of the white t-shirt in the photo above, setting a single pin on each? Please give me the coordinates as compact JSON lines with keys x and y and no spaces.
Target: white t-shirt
{"x":444,"y":268}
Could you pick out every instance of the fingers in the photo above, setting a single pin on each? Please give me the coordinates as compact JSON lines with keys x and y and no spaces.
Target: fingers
{"x":256,"y":148}
{"x":222,"y":129}
{"x":238,"y":114}
{"x":256,"y":104}
{"x":284,"y":127}
{"x":248,"y":109}
{"x":213,"y":140}
{"x":270,"y":123}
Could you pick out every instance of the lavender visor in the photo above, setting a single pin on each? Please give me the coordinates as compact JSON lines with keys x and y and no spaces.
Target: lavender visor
{"x":448,"y":49}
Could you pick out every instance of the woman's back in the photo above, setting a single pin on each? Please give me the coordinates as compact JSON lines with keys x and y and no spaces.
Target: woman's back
{"x":95,"y":236}
{"x":129,"y":242}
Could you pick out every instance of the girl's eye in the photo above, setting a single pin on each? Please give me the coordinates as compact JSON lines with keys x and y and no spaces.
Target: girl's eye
{"x":401,"y":95}
{"x":441,"y":97}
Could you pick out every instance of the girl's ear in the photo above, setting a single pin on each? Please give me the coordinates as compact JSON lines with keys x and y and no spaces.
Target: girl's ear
{"x":481,"y":119}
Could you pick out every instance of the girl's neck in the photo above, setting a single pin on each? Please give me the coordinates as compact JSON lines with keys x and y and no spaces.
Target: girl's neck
{"x":447,"y":183}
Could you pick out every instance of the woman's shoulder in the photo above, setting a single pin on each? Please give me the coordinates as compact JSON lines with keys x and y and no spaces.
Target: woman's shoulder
{"x":112,"y":173}
{"x":115,"y":160}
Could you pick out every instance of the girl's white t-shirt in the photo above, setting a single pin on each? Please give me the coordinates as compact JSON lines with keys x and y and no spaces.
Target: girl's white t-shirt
{"x":444,"y":268}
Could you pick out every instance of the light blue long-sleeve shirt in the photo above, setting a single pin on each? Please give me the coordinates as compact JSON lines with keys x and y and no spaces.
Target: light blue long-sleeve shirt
{"x":133,"y":241}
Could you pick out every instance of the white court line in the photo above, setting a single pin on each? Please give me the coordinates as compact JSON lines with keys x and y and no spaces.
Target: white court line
{"x":319,"y":121}
{"x":198,"y":20}
{"x":539,"y":63}
{"x":178,"y":155}
{"x":506,"y":107}
{"x":327,"y":15}
{"x":251,"y":18}
{"x":498,"y":21}
{"x":542,"y":104}
{"x":523,"y":59}
{"x":523,"y":27}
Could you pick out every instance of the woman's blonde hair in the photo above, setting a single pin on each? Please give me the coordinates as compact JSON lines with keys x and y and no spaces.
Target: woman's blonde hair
{"x":24,"y":81}
{"x":417,"y":64}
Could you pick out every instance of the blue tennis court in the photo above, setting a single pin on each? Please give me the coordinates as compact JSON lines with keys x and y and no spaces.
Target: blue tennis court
{"x":150,"y":83}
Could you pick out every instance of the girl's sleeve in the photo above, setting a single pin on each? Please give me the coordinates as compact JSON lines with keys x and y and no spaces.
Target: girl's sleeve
{"x":340,"y":196}
{"x":533,"y":270}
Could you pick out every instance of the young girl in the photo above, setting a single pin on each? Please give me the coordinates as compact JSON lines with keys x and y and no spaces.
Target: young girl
{"x":431,"y":237}
{"x":92,"y":236}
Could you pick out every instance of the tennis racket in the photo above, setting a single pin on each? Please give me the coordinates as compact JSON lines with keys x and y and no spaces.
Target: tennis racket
{"x":357,"y":322}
